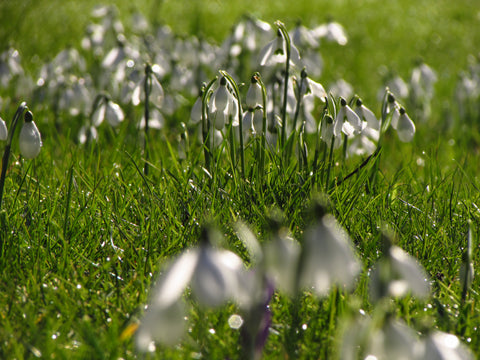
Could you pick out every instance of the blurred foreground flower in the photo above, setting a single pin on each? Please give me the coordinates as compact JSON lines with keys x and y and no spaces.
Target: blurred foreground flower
{"x":397,"y":274}
{"x":328,"y":258}
{"x":214,"y":276}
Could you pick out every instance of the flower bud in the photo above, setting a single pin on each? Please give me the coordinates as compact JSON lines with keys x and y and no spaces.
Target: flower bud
{"x":30,"y":139}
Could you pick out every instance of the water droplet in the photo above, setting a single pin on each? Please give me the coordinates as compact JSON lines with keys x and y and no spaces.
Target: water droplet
{"x":235,"y":321}
{"x":212,"y":331}
{"x":304,"y":327}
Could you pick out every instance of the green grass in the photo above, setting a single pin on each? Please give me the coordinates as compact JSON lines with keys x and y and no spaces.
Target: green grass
{"x":83,"y":232}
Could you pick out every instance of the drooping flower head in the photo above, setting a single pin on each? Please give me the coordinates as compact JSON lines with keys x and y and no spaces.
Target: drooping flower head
{"x":30,"y":140}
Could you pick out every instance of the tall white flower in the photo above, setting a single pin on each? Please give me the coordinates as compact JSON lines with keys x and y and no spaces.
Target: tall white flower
{"x":346,"y":121}
{"x":442,"y":346}
{"x":254,"y":96}
{"x":30,"y":139}
{"x":367,"y":115}
{"x":3,"y":130}
{"x":398,"y":274}
{"x":405,"y":126}
{"x":328,"y":257}
{"x":214,"y":276}
{"x":107,"y":109}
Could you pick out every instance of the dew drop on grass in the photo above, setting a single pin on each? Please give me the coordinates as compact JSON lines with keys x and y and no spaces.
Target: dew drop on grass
{"x":212,"y":331}
{"x":235,"y":321}
{"x":304,"y":327}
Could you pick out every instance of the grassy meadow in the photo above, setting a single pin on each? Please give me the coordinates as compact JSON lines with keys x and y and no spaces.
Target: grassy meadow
{"x":88,"y":225}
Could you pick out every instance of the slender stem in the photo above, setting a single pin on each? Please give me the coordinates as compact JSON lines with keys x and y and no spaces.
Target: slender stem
{"x":286,"y":38}
{"x":240,"y":120}
{"x":206,"y":124}
{"x":147,"y":85}
{"x":330,"y":161}
{"x":261,"y":165}
{"x":6,"y":153}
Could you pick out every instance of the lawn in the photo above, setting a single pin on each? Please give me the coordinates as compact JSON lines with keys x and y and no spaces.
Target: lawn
{"x":336,"y":237}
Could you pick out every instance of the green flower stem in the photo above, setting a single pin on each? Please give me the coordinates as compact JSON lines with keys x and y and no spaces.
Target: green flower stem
{"x":206,"y":124}
{"x":330,"y":162}
{"x":6,"y":154}
{"x":286,"y":38}
{"x":261,"y":164}
{"x":240,"y":120}
{"x":147,"y":86}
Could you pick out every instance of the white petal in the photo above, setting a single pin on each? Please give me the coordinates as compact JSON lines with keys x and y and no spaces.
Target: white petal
{"x":3,"y":130}
{"x":114,"y":114}
{"x":172,"y":283}
{"x":329,"y":258}
{"x":215,"y":280}
{"x":410,"y":271}
{"x":164,"y":325}
{"x":30,"y":140}
{"x":281,"y":262}
{"x":98,"y":115}
{"x":443,"y":346}
{"x":196,"y":114}
{"x":405,"y":128}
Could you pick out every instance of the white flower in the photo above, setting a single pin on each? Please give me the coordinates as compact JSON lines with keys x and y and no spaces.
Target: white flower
{"x":196,"y":113}
{"x":109,"y":110}
{"x":398,"y":274}
{"x":346,"y":121}
{"x":367,"y":115}
{"x":214,"y":276}
{"x":275,"y":52}
{"x":3,"y":130}
{"x":442,"y":346}
{"x":30,"y":139}
{"x":281,"y":261}
{"x":331,"y":31}
{"x":113,"y":113}
{"x":328,"y":258}
{"x":254,"y":96}
{"x":395,"y":341}
{"x":87,"y":133}
{"x":156,"y":93}
{"x":405,"y":127}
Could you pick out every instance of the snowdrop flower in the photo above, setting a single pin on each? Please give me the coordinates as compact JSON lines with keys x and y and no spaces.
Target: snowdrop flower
{"x":109,"y":110}
{"x":422,"y":81}
{"x":405,"y":126}
{"x":398,"y":87}
{"x":214,"y":276}
{"x":197,"y":109}
{"x":326,"y":132}
{"x":222,"y":105}
{"x":346,"y":121}
{"x":30,"y":139}
{"x":304,"y":38}
{"x":275,"y":52}
{"x":397,"y":274}
{"x":331,"y":31}
{"x":442,"y":346}
{"x":282,"y":254}
{"x":3,"y":130}
{"x":341,"y":88}
{"x":367,"y":115}
{"x":156,"y":92}
{"x":327,"y":258}
{"x":395,"y":341}
{"x":87,"y":133}
{"x":252,"y":122}
{"x":254,"y":97}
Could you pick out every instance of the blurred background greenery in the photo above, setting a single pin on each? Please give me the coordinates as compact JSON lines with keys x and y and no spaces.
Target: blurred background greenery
{"x":383,"y":35}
